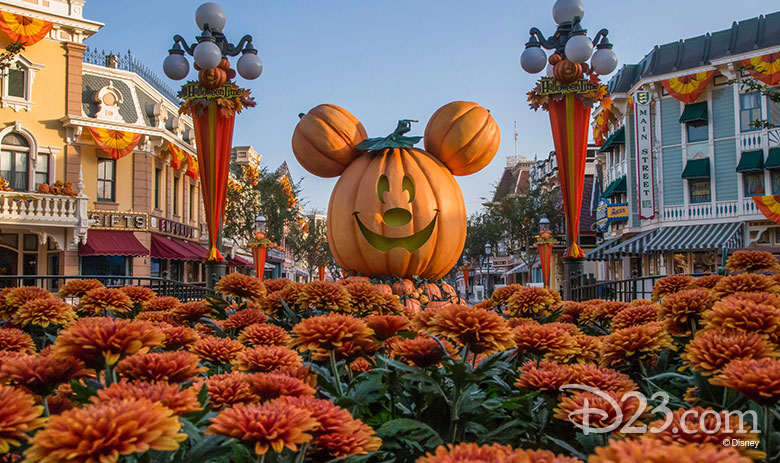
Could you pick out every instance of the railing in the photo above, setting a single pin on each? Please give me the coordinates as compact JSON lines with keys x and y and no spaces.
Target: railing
{"x":40,"y":208}
{"x":709,"y":210}
{"x":128,"y":62}
{"x":585,"y":287}
{"x":163,"y":287}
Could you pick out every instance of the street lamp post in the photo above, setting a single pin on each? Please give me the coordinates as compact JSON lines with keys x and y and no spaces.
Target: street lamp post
{"x":213,"y":101}
{"x":544,"y":243}
{"x":489,"y":254}
{"x":568,"y":97}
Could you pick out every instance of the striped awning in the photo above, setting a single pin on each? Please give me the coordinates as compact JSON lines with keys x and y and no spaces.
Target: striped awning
{"x":696,"y":237}
{"x":597,"y":253}
{"x":633,"y":246}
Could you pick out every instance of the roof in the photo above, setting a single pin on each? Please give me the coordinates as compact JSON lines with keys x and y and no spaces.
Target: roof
{"x":505,"y":185}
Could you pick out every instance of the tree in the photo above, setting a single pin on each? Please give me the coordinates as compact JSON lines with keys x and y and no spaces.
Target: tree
{"x":750,"y":84}
{"x":309,"y":244}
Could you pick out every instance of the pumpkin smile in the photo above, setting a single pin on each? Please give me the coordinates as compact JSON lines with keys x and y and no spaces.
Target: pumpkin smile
{"x":384,"y":243}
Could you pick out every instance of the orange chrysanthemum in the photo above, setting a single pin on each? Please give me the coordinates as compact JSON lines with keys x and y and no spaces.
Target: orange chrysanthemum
{"x":527,"y":301}
{"x":648,"y":449}
{"x":423,"y":320}
{"x":99,"y":301}
{"x":216,"y":350}
{"x":598,"y":310}
{"x":105,"y":431}
{"x":641,"y":342}
{"x":602,"y":378}
{"x":364,"y":298}
{"x":192,"y":311}
{"x":266,"y":359}
{"x":745,"y":282}
{"x":501,"y":295}
{"x":387,"y":326}
{"x":681,"y":311}
{"x":671,"y":284}
{"x":469,"y":452}
{"x":481,"y":331}
{"x":744,"y":312}
{"x":544,"y":376}
{"x":329,"y":332}
{"x":272,"y":303}
{"x":555,"y":343}
{"x":635,"y":315}
{"x":162,"y":303}
{"x":570,"y":311}
{"x":43,"y":312}
{"x":349,"y":350}
{"x":588,"y":348}
{"x":173,"y":367}
{"x":240,"y":285}
{"x":325,"y":296}
{"x":157,"y":317}
{"x":243,"y":318}
{"x":571,"y":408}
{"x":229,"y":389}
{"x":752,"y":261}
{"x":304,"y":373}
{"x":273,"y":425}
{"x":100,"y":340}
{"x":711,"y":350}
{"x":276,"y":284}
{"x":16,"y":340}
{"x":40,"y":374}
{"x":17,"y":297}
{"x":390,"y":305}
{"x":264,"y":334}
{"x":361,"y":365}
{"x":269,"y":386}
{"x":180,"y":401}
{"x":18,"y":416}
{"x":756,"y":379}
{"x":78,"y":287}
{"x":177,"y":337}
{"x":422,"y":351}
{"x":140,"y":295}
{"x":708,"y":281}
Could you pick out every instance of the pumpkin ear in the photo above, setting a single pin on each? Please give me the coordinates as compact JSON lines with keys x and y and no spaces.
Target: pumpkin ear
{"x":325,"y":138}
{"x":463,"y":135}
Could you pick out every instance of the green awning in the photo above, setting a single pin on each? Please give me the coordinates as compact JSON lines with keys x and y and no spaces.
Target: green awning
{"x":751,"y":161}
{"x":773,"y":161}
{"x":697,"y":168}
{"x":617,"y":138}
{"x":615,"y":188}
{"x":694,"y":112}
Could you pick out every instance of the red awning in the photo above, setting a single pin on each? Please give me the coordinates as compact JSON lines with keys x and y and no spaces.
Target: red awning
{"x":197,"y":251}
{"x":112,"y":243}
{"x":165,"y":247}
{"x":239,"y":262}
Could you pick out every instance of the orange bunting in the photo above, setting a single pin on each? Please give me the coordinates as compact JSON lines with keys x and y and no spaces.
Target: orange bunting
{"x":598,"y":138}
{"x":22,"y":29}
{"x":688,"y":88}
{"x":116,"y":143}
{"x":177,"y":155}
{"x":192,"y":167}
{"x":769,"y":206}
{"x":765,"y":68}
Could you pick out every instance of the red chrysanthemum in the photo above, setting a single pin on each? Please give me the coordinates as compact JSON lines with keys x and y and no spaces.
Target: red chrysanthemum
{"x":641,"y":342}
{"x":671,"y":284}
{"x":43,"y":312}
{"x":18,"y":416}
{"x":748,"y":312}
{"x":173,"y":367}
{"x":478,"y":329}
{"x":266,"y":359}
{"x":192,"y":311}
{"x":361,"y":365}
{"x":40,"y":374}
{"x":544,"y":376}
{"x":243,"y":318}
{"x":229,"y":389}
{"x":756,"y":379}
{"x":177,"y":337}
{"x":325,"y":296}
{"x":99,"y":301}
{"x":264,"y":334}
{"x":745,"y":282}
{"x":387,"y":326}
{"x":711,"y":350}
{"x":16,"y":340}
{"x":140,"y":295}
{"x":752,"y":261}
{"x":635,"y":315}
{"x":216,"y":350}
{"x":180,"y":401}
{"x":269,"y":386}
{"x":79,"y":287}
{"x":681,"y":312}
{"x":422,"y":351}
{"x":240,"y":285}
{"x":329,"y":332}
{"x":162,"y":303}
{"x":602,"y":378}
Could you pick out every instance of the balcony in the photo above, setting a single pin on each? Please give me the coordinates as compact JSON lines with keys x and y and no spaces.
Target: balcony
{"x":759,"y":139}
{"x":707,"y":211}
{"x":42,"y":210}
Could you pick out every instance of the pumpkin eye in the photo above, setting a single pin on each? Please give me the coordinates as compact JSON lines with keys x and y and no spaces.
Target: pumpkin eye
{"x":408,"y":185}
{"x":382,"y":187}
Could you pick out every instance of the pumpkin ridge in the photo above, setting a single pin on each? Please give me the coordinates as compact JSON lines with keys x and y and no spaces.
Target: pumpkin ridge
{"x":460,"y":153}
{"x":424,"y":267}
{"x":303,"y":139}
{"x":477,"y":159}
{"x":406,"y":164}
{"x":449,"y":129}
{"x":342,"y":134}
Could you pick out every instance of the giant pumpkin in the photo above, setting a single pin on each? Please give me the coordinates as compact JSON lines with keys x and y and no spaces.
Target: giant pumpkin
{"x":396,"y":209}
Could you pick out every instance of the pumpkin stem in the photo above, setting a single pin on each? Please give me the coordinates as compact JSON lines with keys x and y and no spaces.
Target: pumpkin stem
{"x":397,"y":139}
{"x":300,"y":115}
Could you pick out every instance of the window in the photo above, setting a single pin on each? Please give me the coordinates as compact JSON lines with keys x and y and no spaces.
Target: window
{"x":750,"y":110}
{"x":175,"y":195}
{"x":775,"y":174}
{"x":16,"y":82}
{"x":42,"y":169}
{"x":753,"y":183}
{"x":700,"y":190}
{"x":192,"y":200}
{"x":774,"y":109}
{"x":14,"y":156}
{"x":17,"y":79}
{"x":106,"y":178}
{"x":697,"y":131}
{"x":157,"y":175}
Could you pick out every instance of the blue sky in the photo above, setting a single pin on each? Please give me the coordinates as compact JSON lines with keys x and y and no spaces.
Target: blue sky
{"x":389,"y":60}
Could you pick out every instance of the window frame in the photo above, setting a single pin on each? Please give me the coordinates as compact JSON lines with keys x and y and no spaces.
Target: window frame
{"x":20,"y":63}
{"x":752,"y":110}
{"x":157,"y":180}
{"x":104,"y":181}
{"x":758,"y":175}
{"x":692,"y":182}
{"x":176,"y":198}
{"x":700,"y":125}
{"x":16,"y":150}
{"x":191,"y":211}
{"x":43,"y":160}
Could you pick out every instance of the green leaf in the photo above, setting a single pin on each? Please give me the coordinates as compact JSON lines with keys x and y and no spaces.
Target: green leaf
{"x":574,"y":452}
{"x":217,"y":329}
{"x":402,"y":433}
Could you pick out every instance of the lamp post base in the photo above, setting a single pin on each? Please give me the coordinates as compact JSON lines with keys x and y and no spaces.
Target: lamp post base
{"x":571,"y":269}
{"x":214,"y":272}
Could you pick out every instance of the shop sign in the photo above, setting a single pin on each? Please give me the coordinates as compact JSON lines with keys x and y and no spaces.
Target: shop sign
{"x":169,"y":227}
{"x":110,"y":220}
{"x":644,"y":155}
{"x":617,"y":212}
{"x":602,"y":220}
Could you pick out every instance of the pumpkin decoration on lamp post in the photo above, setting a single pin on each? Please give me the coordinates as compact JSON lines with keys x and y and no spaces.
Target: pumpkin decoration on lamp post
{"x":466,"y":269}
{"x":545,"y":243}
{"x":259,"y":245}
{"x":396,"y":209}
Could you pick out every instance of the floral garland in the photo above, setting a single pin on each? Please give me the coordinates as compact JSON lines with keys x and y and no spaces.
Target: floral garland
{"x":288,"y":190}
{"x":227,"y":106}
{"x":260,"y":241}
{"x":537,"y":101}
{"x":546,"y":238}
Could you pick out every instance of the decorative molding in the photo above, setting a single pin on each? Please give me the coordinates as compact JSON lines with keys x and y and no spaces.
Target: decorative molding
{"x":108,"y":100}
{"x":29,"y":69}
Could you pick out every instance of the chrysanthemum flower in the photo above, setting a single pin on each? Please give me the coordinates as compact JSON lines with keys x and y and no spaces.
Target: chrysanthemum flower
{"x":192,"y":311}
{"x":527,"y":301}
{"x":422,"y":351}
{"x":18,"y":416}
{"x":304,"y":373}
{"x":17,"y":297}
{"x":570,"y":311}
{"x":240,"y":285}
{"x":329,"y":332}
{"x":469,"y":452}
{"x":40,"y":374}
{"x":273,"y":425}
{"x":602,"y":378}
{"x":544,"y":376}
{"x":269,"y":386}
{"x":364,"y":298}
{"x":756,"y":379}
{"x":216,"y":350}
{"x":646,"y":449}
{"x":180,"y":401}
{"x":682,"y":310}
{"x":570,"y":328}
{"x":177,"y":337}
{"x":588,"y":348}
{"x":635,"y":315}
{"x":272,"y":303}
{"x":173,"y":367}
{"x":229,"y":389}
{"x":501,"y":295}
{"x":481,"y":331}
{"x":742,"y":313}
{"x":266,"y":359}
{"x":572,"y":408}
{"x":671,"y":284}
{"x":276,"y":284}
{"x":599,"y":310}
{"x":157,"y":316}
{"x":243,"y":318}
{"x":325,"y":296}
{"x":708,"y":281}
{"x":711,"y":350}
{"x":43,"y":312}
{"x":162,"y":303}
{"x":15,"y":340}
{"x":643,"y":342}
{"x":100,"y":340}
{"x":387,"y":326}
{"x":752,"y":261}
{"x":745,"y":282}
{"x":98,"y":301}
{"x":361,"y":365}
{"x":78,"y":287}
{"x":105,"y":431}
{"x":391,"y":304}
{"x":423,"y":320}
{"x":553,"y":342}
{"x":264,"y":334}
{"x":140,"y":295}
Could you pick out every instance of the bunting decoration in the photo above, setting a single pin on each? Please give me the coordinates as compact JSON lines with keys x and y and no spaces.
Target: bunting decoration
{"x":321,"y":271}
{"x":688,"y":88}
{"x":177,"y":155}
{"x":116,"y":143}
{"x":765,"y":68}
{"x":192,"y":167}
{"x":769,"y":206}
{"x":598,"y":138}
{"x":545,"y":243}
{"x":22,"y":29}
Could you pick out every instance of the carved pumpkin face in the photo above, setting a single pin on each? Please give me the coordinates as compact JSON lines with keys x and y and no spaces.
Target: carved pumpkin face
{"x":398,"y":212}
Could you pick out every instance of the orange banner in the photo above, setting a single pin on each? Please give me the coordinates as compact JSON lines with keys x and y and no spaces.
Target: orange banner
{"x":688,"y":88}
{"x":22,"y":29}
{"x":192,"y":166}
{"x":765,"y":68}
{"x":116,"y":143}
{"x":177,"y":155}
{"x":769,"y":206}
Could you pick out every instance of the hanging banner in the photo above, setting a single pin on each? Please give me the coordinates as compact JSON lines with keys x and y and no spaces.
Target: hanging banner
{"x":192,"y":167}
{"x":602,"y":220}
{"x":769,"y":206}
{"x":24,"y":30}
{"x":643,"y":137}
{"x":765,"y":68}
{"x":688,"y":88}
{"x":116,"y":143}
{"x":617,"y":212}
{"x":177,"y":155}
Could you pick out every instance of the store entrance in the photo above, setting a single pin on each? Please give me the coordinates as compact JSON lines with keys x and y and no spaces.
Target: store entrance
{"x":8,"y":265}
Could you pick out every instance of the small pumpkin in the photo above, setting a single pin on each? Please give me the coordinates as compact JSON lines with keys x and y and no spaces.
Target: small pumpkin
{"x":403,"y":287}
{"x":554,"y":59}
{"x":432,"y":290}
{"x":566,"y":71}
{"x":212,"y":78}
{"x":383,"y":289}
{"x":437,"y":304}
{"x":411,"y":307}
{"x":325,"y":138}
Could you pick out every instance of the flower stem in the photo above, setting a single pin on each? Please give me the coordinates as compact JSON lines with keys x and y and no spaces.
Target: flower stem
{"x":45,"y":402}
{"x":302,"y":454}
{"x":766,"y":431}
{"x":334,"y":367}
{"x":261,"y":458}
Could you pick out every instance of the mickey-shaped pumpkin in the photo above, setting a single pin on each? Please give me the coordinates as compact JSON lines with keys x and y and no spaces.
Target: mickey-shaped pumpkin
{"x":396,"y":210}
